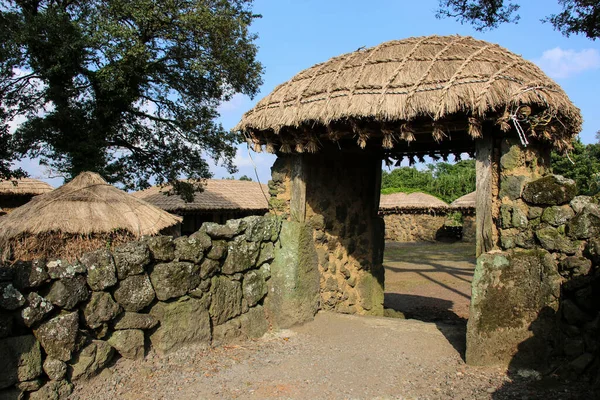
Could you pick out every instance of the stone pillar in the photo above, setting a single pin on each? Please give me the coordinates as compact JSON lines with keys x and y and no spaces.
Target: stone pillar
{"x":342,"y":200}
{"x":516,"y":284}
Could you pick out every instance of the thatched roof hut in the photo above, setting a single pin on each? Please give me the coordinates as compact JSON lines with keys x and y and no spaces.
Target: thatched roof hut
{"x":426,"y":90}
{"x":411,"y":203}
{"x":220,"y":200}
{"x":466,"y":201}
{"x":79,"y":216}
{"x":16,"y":192}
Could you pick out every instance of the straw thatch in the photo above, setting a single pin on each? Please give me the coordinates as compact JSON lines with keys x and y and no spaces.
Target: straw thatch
{"x":437,"y":83}
{"x":83,"y":209}
{"x":223,"y":194}
{"x":413,"y":201}
{"x":24,"y":187}
{"x":466,"y":201}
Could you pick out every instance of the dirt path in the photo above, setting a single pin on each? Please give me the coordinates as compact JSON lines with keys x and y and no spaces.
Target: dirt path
{"x":334,"y":357}
{"x":429,"y":281}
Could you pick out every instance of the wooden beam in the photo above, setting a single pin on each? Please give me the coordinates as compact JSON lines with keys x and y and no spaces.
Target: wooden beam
{"x":298,"y":190}
{"x":483,"y":207}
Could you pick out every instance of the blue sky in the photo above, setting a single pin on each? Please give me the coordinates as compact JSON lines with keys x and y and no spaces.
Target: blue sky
{"x":296,"y":34}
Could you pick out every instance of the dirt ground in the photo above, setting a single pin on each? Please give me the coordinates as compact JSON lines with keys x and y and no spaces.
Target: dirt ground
{"x":429,"y":281}
{"x":345,"y":357}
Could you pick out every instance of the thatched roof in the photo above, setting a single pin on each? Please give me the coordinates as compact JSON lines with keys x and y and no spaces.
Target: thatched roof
{"x":403,"y":201}
{"x":466,"y":201}
{"x":218,"y":194}
{"x":434,"y":81}
{"x":87,"y":205}
{"x":24,"y":187}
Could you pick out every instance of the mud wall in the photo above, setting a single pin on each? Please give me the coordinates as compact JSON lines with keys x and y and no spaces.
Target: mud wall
{"x":535,"y":296}
{"x":341,"y":200}
{"x":61,"y":321}
{"x":413,"y":227}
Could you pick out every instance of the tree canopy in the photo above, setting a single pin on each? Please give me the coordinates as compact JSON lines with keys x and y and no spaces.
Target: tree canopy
{"x":582,"y":165}
{"x":126,"y":88}
{"x":576,"y":17}
{"x":443,"y":180}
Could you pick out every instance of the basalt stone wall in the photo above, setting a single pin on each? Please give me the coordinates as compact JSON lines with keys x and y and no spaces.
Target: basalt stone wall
{"x":469,"y":227}
{"x":535,"y":299}
{"x":61,"y":321}
{"x":341,"y":204}
{"x":413,"y":227}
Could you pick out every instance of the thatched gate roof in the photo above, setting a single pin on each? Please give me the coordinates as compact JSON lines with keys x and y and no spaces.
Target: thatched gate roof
{"x":85,"y":206}
{"x":24,"y":187}
{"x":396,"y":90}
{"x":218,"y":195}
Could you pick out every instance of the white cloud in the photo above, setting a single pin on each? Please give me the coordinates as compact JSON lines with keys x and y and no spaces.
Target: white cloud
{"x":559,"y":63}
{"x":238,"y":101}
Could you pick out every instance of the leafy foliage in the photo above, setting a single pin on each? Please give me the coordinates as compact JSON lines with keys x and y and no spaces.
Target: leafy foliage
{"x":576,"y":17}
{"x":126,"y":88}
{"x":584,"y":168}
{"x":443,"y":180}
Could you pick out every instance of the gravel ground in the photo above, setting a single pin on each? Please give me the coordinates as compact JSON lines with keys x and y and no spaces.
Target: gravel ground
{"x":334,"y":357}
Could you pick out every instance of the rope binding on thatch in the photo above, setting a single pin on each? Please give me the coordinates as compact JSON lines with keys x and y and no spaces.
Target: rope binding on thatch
{"x":432,"y":89}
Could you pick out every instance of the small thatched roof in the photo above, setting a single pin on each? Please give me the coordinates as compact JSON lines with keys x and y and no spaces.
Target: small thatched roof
{"x":85,"y":206}
{"x":24,"y":187}
{"x":218,"y":194}
{"x":466,"y":201}
{"x":403,"y":201}
{"x":438,"y":82}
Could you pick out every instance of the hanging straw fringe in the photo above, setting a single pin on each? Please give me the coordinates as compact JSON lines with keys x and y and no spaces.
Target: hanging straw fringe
{"x":437,"y":133}
{"x":407,"y":133}
{"x":270,"y":148}
{"x":475,"y":128}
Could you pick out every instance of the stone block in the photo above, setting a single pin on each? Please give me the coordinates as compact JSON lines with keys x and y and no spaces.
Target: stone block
{"x":586,"y":224}
{"x":254,"y":323}
{"x":512,"y":186}
{"x":557,"y":215}
{"x":93,"y":358}
{"x":101,"y":269}
{"x":254,"y":287}
{"x":209,"y":267}
{"x":241,"y":256}
{"x":30,"y":274}
{"x":53,"y":390}
{"x":36,"y":310}
{"x":294,"y":285}
{"x":100,"y":309}
{"x":21,"y":360}
{"x":227,"y":332}
{"x":267,"y":253}
{"x":129,"y":343}
{"x":58,"y":336}
{"x":216,"y":231}
{"x":264,"y":228}
{"x":131,"y":320}
{"x":10,"y":297}
{"x":551,"y":239}
{"x":189,"y":249}
{"x":551,"y":190}
{"x":61,"y":269}
{"x":134,"y":293}
{"x":174,"y":279}
{"x":162,"y":248}
{"x":181,"y":323}
{"x":579,"y":203}
{"x":226,"y":299}
{"x":131,"y":259}
{"x":218,"y":250}
{"x":68,"y":292}
{"x":55,"y":369}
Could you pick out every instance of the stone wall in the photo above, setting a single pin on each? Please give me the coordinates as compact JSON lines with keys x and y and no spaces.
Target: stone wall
{"x":535,"y":297}
{"x":413,"y":227}
{"x":469,"y":227}
{"x":60,"y":322}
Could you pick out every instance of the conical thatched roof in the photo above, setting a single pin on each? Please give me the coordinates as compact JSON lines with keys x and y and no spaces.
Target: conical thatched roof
{"x":24,"y":186}
{"x":404,"y":86}
{"x":403,"y":201}
{"x":218,"y":194}
{"x":87,"y":205}
{"x":466,"y":201}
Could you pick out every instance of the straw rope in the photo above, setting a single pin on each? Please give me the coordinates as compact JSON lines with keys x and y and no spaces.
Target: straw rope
{"x":403,"y":81}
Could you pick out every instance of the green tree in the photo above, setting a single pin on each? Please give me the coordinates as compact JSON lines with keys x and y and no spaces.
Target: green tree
{"x":126,"y":88}
{"x":576,"y":17}
{"x":582,"y":165}
{"x":443,"y":180}
{"x":245,"y":178}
